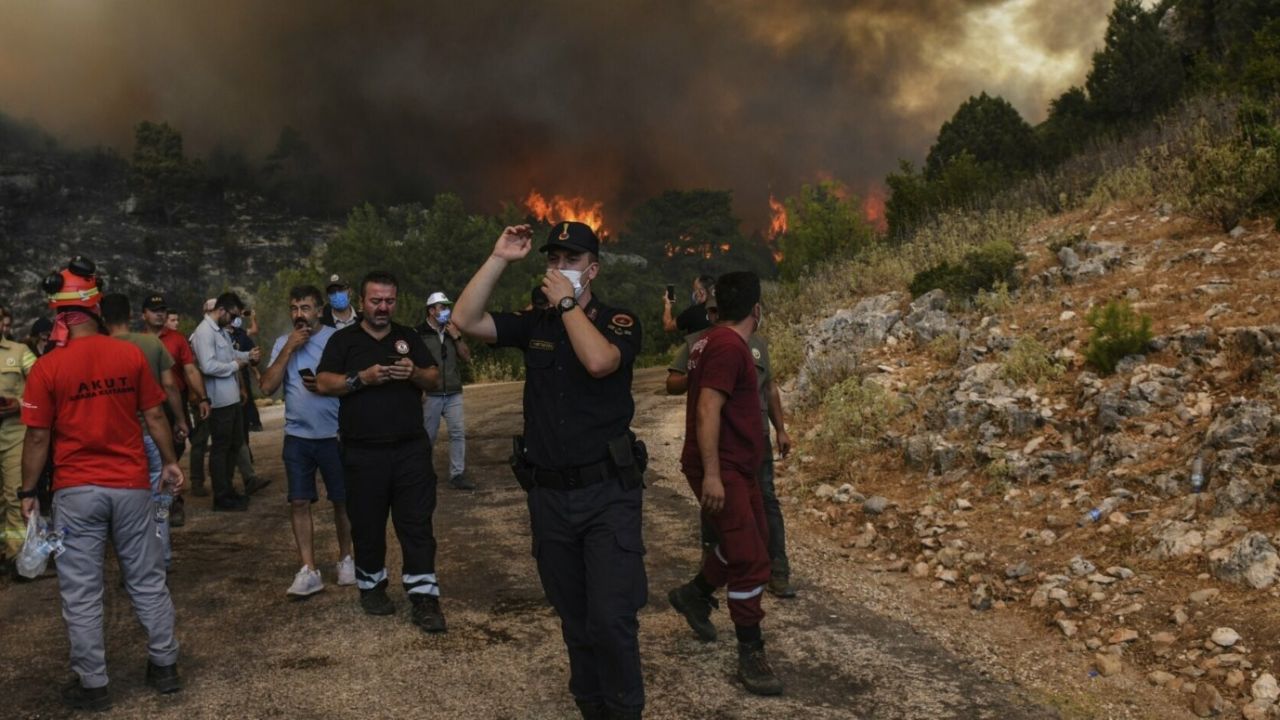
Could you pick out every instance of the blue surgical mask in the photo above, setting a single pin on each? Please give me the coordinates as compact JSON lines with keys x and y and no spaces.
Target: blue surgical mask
{"x":339,"y":301}
{"x":237,"y":322}
{"x":444,"y":316}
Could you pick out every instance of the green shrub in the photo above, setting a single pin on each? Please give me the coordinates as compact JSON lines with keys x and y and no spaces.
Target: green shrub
{"x":994,"y":301}
{"x":1028,"y":361}
{"x":945,"y":348}
{"x":1066,"y":240}
{"x":1117,"y":332}
{"x":980,"y":269}
{"x":854,"y":412}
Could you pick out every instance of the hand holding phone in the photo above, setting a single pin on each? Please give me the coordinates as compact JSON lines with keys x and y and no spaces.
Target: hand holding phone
{"x":671,"y":293}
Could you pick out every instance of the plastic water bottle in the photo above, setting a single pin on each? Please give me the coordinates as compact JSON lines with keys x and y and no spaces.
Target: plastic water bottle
{"x":1105,"y":508}
{"x":1197,"y":475}
{"x":163,"y":500}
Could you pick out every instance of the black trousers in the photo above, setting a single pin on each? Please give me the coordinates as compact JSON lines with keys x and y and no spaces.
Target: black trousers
{"x":226,"y":432}
{"x":590,"y":555}
{"x":398,"y":479}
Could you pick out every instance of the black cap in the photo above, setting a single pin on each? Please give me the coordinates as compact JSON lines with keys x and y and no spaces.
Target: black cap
{"x":336,"y":283}
{"x":41,"y":326}
{"x":155,"y":301}
{"x":572,"y":236}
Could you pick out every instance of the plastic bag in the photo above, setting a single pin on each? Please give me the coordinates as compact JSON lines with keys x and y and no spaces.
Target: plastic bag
{"x":41,"y":542}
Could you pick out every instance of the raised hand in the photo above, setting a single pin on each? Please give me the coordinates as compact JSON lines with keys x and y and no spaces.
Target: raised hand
{"x":514,"y":243}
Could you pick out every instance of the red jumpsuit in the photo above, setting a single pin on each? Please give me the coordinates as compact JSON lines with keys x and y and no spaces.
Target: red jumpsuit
{"x":721,"y":360}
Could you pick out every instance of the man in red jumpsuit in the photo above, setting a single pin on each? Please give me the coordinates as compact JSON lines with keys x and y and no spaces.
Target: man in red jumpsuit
{"x":723,"y":447}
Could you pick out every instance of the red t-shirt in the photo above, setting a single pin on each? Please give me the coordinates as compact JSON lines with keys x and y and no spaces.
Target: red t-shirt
{"x":722,"y":360}
{"x":90,"y":393}
{"x":180,"y":349}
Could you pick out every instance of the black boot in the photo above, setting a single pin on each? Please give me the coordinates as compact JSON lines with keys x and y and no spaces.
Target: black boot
{"x":592,"y":710}
{"x":163,"y":678}
{"x":754,"y":670}
{"x":426,"y":613}
{"x":689,"y":601}
{"x":79,"y":697}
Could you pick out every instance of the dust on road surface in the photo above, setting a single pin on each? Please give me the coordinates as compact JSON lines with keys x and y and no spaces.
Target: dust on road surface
{"x":249,"y":651}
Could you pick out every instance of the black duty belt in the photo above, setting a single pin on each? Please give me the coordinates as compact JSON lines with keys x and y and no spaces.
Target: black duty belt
{"x":573,"y":478}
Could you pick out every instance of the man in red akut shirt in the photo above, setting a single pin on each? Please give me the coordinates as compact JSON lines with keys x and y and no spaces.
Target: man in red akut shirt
{"x":85,"y":396}
{"x":723,"y":447}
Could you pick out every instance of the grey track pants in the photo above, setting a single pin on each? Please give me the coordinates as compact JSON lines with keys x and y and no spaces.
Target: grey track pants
{"x":88,"y":515}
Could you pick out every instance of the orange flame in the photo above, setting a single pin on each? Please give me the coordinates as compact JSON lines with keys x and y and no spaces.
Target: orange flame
{"x":560,"y":208}
{"x":777,"y":226}
{"x":873,"y":208}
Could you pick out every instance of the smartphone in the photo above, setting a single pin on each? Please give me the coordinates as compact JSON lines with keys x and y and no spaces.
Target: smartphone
{"x":307,"y":373}
{"x":671,"y":293}
{"x":393,"y":359}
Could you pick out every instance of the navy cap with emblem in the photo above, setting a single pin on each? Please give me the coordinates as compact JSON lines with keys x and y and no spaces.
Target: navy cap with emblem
{"x":155,"y":301}
{"x":572,"y":236}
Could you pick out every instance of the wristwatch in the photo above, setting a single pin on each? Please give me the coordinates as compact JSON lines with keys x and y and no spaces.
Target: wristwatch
{"x":24,"y":494}
{"x":567,"y":303}
{"x":354,"y":382}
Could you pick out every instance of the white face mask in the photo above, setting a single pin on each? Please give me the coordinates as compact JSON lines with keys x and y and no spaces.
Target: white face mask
{"x":237,"y":323}
{"x":575,"y":277}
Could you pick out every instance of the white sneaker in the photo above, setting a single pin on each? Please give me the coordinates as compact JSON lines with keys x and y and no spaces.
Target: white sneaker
{"x":347,"y":571}
{"x":306,"y":582}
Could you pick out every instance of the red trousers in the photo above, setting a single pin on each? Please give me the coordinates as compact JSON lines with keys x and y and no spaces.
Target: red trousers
{"x":740,"y":561}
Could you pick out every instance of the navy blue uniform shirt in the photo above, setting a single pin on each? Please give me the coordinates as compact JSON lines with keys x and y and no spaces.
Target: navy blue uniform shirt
{"x":569,"y":416}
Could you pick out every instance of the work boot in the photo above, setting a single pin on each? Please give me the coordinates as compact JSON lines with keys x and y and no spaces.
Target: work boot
{"x":592,"y":709}
{"x":163,"y":678}
{"x":689,"y":601}
{"x":178,"y":512}
{"x":79,"y":697}
{"x":376,"y":602}
{"x":256,"y":483}
{"x":780,"y":586}
{"x":754,"y":670}
{"x":426,"y":614}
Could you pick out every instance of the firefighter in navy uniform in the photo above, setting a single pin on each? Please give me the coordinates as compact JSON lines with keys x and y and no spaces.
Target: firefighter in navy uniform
{"x":578,"y":459}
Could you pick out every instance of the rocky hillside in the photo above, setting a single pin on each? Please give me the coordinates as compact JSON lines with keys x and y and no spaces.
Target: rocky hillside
{"x":57,"y":204}
{"x":988,"y":440}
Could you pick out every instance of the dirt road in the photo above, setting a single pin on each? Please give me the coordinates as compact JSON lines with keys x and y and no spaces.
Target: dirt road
{"x":248,"y":651}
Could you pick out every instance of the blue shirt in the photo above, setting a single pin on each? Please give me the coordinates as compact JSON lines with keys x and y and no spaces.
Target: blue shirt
{"x":218,"y":358}
{"x":307,"y":414}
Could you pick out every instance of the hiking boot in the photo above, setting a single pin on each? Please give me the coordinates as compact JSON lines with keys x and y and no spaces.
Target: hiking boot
{"x":79,"y":697}
{"x":427,"y":615}
{"x":198,"y":489}
{"x":163,"y":678}
{"x":306,"y":583}
{"x":754,"y":670}
{"x":689,"y":601}
{"x":177,"y":512}
{"x":346,"y":571}
{"x":256,"y":483}
{"x":780,"y":586}
{"x":376,"y":602}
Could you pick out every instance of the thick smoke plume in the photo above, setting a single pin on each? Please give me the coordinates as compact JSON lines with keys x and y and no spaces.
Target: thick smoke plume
{"x":614,"y":100}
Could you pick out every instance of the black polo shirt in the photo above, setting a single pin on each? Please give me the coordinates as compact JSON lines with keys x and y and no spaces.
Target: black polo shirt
{"x":569,"y":416}
{"x":382,"y":413}
{"x":693,"y":319}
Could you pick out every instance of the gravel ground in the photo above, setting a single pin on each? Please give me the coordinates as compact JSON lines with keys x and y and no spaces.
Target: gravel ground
{"x":855,"y":644}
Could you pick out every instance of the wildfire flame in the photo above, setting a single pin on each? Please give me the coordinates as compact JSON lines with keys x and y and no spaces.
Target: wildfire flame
{"x":560,"y":208}
{"x":873,"y":208}
{"x":777,"y":226}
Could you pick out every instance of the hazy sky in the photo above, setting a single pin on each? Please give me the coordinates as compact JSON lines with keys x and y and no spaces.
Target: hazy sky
{"x":616,"y":100}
